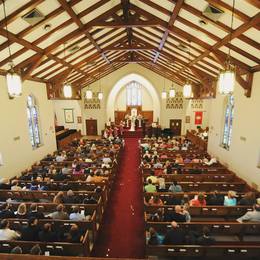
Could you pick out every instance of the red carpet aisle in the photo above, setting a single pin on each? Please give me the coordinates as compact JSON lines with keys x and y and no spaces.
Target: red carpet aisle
{"x":122,"y":233}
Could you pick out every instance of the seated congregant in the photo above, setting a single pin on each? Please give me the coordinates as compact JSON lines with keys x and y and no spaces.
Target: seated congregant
{"x":198,"y":201}
{"x":6,"y":233}
{"x":230,"y":199}
{"x":175,"y":235}
{"x":248,"y":199}
{"x":251,"y":215}
{"x":150,"y":187}
{"x":31,"y":231}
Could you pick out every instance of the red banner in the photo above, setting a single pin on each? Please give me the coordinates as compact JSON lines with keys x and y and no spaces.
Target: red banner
{"x":198,"y":117}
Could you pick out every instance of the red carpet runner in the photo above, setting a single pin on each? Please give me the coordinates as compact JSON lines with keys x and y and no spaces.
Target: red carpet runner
{"x":122,"y":232}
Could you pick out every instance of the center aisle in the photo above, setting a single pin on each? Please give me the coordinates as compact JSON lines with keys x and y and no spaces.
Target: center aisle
{"x":122,"y":232}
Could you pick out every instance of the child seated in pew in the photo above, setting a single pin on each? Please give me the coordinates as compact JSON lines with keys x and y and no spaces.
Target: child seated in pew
{"x":230,"y":199}
{"x":153,"y":238}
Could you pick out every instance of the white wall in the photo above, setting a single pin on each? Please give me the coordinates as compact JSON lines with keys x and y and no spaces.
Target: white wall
{"x":60,"y":105}
{"x":190,"y":111}
{"x":15,"y":145}
{"x":108,"y":82}
{"x":243,"y":155}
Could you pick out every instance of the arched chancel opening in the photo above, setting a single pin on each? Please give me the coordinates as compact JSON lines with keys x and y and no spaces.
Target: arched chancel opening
{"x":110,"y":108}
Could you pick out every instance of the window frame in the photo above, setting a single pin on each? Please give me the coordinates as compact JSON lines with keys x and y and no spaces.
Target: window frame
{"x":131,"y":87}
{"x":33,"y":122}
{"x":228,"y":123}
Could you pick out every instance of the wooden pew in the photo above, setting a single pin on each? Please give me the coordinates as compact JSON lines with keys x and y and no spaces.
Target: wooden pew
{"x":32,"y":196}
{"x":241,"y":230}
{"x":62,"y":225}
{"x":207,"y":213}
{"x":205,"y":177}
{"x":238,"y":186}
{"x":205,"y":252}
{"x":53,"y":248}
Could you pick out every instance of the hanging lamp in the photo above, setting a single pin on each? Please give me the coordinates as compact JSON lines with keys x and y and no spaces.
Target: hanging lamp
{"x":89,"y":94}
{"x":187,"y":88}
{"x":67,"y":88}
{"x":13,"y":79}
{"x":100,"y":93}
{"x":172,"y":92}
{"x":164,"y":93}
{"x":226,"y":79}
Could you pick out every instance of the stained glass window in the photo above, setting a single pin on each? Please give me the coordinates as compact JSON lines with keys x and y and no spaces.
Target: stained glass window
{"x":33,"y":121}
{"x":134,"y":94}
{"x":229,"y":114}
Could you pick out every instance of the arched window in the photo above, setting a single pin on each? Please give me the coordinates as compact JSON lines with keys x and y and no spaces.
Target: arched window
{"x":133,"y":94}
{"x":229,"y":114}
{"x":33,"y":121}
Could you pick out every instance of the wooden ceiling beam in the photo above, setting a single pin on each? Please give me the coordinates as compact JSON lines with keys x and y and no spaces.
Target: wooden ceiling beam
{"x":255,"y":68}
{"x":153,"y":68}
{"x":173,"y":46}
{"x":241,"y":29}
{"x":20,"y":12}
{"x":133,"y":48}
{"x":76,"y":20}
{"x":47,"y":18}
{"x":80,"y":49}
{"x":229,"y":9}
{"x":104,"y":73}
{"x":26,"y":74}
{"x":74,"y":34}
{"x":255,"y":3}
{"x":90,"y":58}
{"x":177,"y":31}
{"x":173,"y":18}
{"x":218,"y":24}
{"x":218,"y":39}
{"x":80,"y":65}
{"x":175,"y":58}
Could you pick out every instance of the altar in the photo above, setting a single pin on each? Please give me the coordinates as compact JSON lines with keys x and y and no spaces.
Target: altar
{"x":140,"y":115}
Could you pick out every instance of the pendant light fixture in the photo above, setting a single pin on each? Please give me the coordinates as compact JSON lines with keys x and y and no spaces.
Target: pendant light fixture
{"x":13,"y":79}
{"x":226,"y":79}
{"x":67,"y":89}
{"x":89,"y":94}
{"x":172,"y":92}
{"x":164,"y":93}
{"x":100,"y":93}
{"x":187,"y":88}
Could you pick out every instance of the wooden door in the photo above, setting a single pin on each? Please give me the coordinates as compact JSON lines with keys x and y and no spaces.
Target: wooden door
{"x":91,"y":126}
{"x":175,"y":125}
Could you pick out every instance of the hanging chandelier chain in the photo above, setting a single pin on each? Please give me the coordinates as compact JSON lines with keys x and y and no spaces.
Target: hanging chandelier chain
{"x":7,"y":34}
{"x":231,"y":32}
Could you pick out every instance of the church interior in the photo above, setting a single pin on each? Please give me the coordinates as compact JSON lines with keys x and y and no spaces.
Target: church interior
{"x":128,"y":129}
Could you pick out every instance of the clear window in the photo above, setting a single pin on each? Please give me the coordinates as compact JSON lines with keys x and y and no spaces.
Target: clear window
{"x":228,"y":123}
{"x":33,"y":121}
{"x":134,"y":94}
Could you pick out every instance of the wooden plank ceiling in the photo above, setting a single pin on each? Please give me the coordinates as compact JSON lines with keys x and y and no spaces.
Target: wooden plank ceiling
{"x":101,"y":36}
